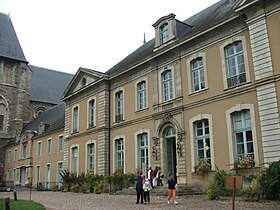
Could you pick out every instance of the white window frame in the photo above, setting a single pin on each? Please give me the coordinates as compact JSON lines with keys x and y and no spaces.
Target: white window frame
{"x":74,"y":123}
{"x":194,"y":119}
{"x":48,"y":164}
{"x":189,"y":71}
{"x":38,"y":175}
{"x":115,"y":154}
{"x":59,"y":176}
{"x":24,"y":150}
{"x":60,"y":146}
{"x":39,"y":150}
{"x":160,"y":82}
{"x":137,"y":98}
{"x":236,"y":108}
{"x":163,"y":33}
{"x":87,"y":156}
{"x":71,"y":158}
{"x":49,"y":146}
{"x":91,"y":123}
{"x":137,"y":155}
{"x":223,"y":59}
{"x":115,"y":103}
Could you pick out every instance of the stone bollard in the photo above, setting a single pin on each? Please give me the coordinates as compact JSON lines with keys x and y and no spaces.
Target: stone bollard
{"x":7,"y":203}
{"x":15,"y":195}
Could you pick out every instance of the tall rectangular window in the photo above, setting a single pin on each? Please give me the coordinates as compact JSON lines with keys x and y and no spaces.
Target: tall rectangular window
{"x":235,"y":64}
{"x":9,"y":156}
{"x":15,"y":155}
{"x":91,"y":113}
{"x":142,"y":95}
{"x":14,"y":174}
{"x":59,"y":171}
{"x":49,"y":146}
{"x":24,"y":151}
{"x":119,"y":154}
{"x":202,"y":140}
{"x":167,"y":85}
{"x":242,"y":132}
{"x":1,"y":122}
{"x":39,"y":149}
{"x":197,"y":69}
{"x":75,"y":119}
{"x":75,"y":160}
{"x":60,"y":143}
{"x":143,"y":152}
{"x":119,"y":106}
{"x":163,"y":33}
{"x":38,"y":173}
{"x":90,"y":157}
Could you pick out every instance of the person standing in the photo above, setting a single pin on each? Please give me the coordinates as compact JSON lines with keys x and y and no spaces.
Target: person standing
{"x":151,"y":176}
{"x":171,"y":189}
{"x":146,"y":189}
{"x":139,"y":189}
{"x":159,"y":177}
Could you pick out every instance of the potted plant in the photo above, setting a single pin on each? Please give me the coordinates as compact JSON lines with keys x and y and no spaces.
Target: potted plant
{"x":202,"y":167}
{"x":251,"y":192}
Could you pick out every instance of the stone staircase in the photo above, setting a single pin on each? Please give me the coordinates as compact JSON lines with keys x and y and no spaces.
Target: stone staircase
{"x":163,"y":191}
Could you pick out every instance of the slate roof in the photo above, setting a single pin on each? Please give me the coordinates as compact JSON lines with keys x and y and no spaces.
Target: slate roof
{"x":9,"y":44}
{"x":208,"y":17}
{"x":48,"y":85}
{"x":54,"y":116}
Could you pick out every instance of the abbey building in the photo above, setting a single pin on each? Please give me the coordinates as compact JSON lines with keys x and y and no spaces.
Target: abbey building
{"x":204,"y":88}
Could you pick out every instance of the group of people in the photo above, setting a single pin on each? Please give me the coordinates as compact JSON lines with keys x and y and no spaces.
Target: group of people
{"x":144,"y":185}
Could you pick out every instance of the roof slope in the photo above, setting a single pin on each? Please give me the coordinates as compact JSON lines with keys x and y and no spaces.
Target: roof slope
{"x":209,"y":17}
{"x":9,"y":44}
{"x":48,"y":85}
{"x":54,"y":116}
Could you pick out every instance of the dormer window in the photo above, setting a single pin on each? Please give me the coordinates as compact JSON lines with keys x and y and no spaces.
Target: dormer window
{"x":164,"y":33}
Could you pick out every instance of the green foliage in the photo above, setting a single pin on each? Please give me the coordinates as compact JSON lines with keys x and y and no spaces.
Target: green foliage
{"x":217,"y":186}
{"x":203,"y":166}
{"x":244,"y":162}
{"x":119,"y":181}
{"x":21,"y":205}
{"x":270,"y":181}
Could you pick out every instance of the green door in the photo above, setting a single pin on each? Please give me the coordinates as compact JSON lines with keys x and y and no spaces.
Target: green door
{"x":170,"y":153}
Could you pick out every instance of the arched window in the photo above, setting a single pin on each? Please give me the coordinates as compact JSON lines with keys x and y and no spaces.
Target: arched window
{"x":164,"y":33}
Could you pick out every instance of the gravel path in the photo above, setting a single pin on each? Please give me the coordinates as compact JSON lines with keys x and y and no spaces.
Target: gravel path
{"x":79,"y":201}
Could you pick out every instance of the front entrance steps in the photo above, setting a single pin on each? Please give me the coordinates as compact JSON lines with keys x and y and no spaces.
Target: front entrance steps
{"x":163,"y":191}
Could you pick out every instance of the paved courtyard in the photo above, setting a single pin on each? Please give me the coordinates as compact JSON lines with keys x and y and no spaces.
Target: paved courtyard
{"x":75,"y":201}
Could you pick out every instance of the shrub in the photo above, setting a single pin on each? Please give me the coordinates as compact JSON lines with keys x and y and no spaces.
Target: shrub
{"x":270,"y":181}
{"x":217,"y":186}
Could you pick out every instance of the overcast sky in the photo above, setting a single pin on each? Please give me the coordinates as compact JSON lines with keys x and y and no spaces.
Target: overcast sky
{"x":64,"y":35}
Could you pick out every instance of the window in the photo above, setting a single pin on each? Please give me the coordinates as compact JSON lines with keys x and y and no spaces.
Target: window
{"x":235,"y":64}
{"x":14,"y":174}
{"x":163,"y":33}
{"x":1,"y":122}
{"x":8,"y":175}
{"x":119,"y":154}
{"x":91,"y":113}
{"x":90,"y":157}
{"x":197,"y":69}
{"x":74,"y":160}
{"x":167,"y":85}
{"x":9,"y":156}
{"x":119,"y":106}
{"x":24,"y":148}
{"x":59,"y":171}
{"x":143,"y":153}
{"x":75,"y":119}
{"x":49,"y":146}
{"x":60,"y":143}
{"x":202,"y":140}
{"x":38,"y":173}
{"x":39,"y":149}
{"x":242,"y":132}
{"x":142,"y":95}
{"x":48,"y":176}
{"x":15,"y":155}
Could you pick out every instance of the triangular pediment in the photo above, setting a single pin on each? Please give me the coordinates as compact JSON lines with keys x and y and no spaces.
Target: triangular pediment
{"x":82,"y":79}
{"x":242,"y":4}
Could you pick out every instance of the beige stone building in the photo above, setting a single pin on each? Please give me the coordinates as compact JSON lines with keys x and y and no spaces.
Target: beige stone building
{"x":203,"y":88}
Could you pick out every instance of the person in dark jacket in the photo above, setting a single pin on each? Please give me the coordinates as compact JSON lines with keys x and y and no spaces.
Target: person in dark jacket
{"x":171,"y":189}
{"x":139,"y":188}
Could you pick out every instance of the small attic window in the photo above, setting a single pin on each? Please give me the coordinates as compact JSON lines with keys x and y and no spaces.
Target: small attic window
{"x":84,"y":82}
{"x":163,"y":33}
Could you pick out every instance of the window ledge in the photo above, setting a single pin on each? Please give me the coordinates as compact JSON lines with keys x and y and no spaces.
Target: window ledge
{"x":142,"y":110}
{"x":241,"y":85}
{"x":198,"y":92}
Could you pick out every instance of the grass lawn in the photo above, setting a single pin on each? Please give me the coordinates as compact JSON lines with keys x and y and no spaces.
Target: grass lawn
{"x":21,"y":205}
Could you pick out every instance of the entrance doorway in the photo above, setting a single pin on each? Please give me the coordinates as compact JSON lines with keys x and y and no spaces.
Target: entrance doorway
{"x":170,"y":153}
{"x":22,"y":176}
